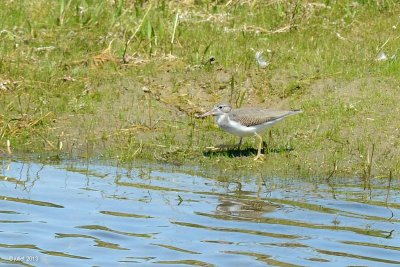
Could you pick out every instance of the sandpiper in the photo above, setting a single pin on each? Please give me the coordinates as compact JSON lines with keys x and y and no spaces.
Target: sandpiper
{"x":247,"y":121}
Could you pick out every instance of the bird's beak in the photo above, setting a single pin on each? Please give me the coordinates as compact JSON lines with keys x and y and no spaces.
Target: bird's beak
{"x":208,"y":113}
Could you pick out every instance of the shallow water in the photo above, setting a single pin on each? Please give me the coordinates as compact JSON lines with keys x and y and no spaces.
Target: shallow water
{"x":77,"y":214}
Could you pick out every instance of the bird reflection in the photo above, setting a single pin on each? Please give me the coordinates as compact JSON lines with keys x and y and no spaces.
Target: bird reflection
{"x":243,"y":204}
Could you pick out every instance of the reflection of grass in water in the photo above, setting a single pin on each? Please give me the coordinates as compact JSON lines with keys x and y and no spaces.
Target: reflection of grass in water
{"x":123,"y":80}
{"x":235,"y":230}
{"x":123,"y":214}
{"x":107,"y":229}
{"x":85,"y":172}
{"x":244,"y":152}
{"x":268,"y":259}
{"x":350,"y":255}
{"x":185,"y":262}
{"x":177,"y":249}
{"x":369,"y":232}
{"x":30,"y":201}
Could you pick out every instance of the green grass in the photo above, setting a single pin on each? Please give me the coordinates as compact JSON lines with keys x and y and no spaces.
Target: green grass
{"x":124,"y":79}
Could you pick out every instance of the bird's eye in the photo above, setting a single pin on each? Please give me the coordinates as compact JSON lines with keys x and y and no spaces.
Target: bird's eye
{"x":220,"y":107}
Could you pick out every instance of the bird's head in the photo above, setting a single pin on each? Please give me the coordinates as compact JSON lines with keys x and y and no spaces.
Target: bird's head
{"x":218,"y":110}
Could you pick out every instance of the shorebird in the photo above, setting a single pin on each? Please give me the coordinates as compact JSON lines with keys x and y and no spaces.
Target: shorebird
{"x":247,"y":121}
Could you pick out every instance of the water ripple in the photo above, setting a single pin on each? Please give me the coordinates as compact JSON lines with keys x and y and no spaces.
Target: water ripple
{"x":72,"y":214}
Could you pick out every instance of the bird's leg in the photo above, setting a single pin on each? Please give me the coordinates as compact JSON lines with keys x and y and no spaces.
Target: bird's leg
{"x":240,"y":143}
{"x":259,"y":155}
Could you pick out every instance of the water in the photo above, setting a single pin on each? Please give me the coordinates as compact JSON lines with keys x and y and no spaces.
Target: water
{"x":74,"y":214}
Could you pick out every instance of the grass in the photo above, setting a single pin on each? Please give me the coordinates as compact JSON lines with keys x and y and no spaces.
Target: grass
{"x":124,"y":79}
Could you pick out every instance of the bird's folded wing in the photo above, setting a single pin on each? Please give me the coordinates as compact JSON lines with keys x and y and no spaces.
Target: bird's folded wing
{"x":252,"y":116}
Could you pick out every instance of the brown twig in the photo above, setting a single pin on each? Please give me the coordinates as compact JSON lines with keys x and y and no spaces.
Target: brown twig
{"x":44,"y":139}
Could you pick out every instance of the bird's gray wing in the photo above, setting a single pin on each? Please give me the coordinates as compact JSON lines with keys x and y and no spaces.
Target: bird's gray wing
{"x":254,"y":116}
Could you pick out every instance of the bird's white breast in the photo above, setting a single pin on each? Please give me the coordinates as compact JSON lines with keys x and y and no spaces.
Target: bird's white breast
{"x":235,"y":128}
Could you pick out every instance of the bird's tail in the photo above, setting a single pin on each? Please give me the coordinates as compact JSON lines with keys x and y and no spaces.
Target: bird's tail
{"x":295,"y":111}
